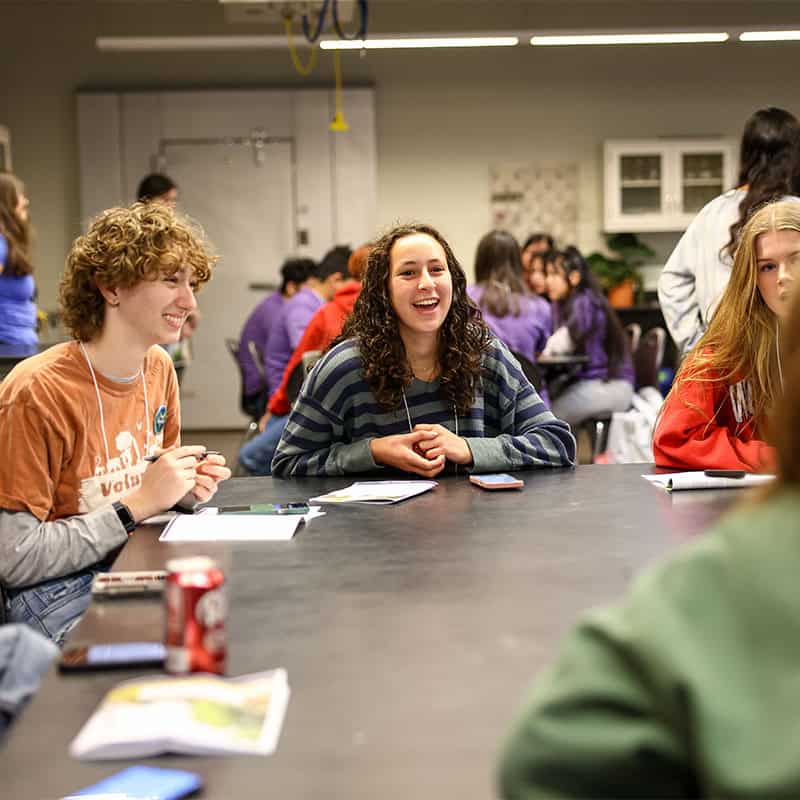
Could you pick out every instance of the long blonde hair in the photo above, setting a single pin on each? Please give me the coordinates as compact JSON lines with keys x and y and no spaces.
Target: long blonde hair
{"x":740,"y":343}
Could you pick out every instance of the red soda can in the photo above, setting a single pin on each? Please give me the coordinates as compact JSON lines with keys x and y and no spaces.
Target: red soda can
{"x":195,"y":606}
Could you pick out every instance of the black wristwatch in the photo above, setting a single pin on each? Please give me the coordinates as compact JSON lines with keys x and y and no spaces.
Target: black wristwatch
{"x":125,"y":517}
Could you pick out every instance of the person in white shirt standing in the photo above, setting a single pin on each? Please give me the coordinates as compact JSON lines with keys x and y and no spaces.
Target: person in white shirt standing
{"x":697,"y":272}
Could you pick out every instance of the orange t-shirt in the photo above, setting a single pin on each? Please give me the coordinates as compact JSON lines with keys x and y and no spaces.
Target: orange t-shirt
{"x":53,"y":460}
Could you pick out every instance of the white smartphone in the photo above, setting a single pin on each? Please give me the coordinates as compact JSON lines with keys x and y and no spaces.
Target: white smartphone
{"x":496,"y":481}
{"x":107,"y":585}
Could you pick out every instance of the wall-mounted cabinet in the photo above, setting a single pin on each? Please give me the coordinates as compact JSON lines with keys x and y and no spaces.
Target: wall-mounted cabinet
{"x":661,"y":184}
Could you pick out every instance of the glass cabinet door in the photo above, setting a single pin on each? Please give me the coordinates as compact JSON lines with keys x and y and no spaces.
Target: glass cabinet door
{"x":641,"y":178}
{"x":702,"y":179}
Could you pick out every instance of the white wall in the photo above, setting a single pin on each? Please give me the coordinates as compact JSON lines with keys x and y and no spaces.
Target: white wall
{"x":442,"y":117}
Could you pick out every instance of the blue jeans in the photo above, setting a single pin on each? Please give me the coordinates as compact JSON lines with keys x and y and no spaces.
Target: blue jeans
{"x":24,"y":658}
{"x":55,"y":606}
{"x":256,"y":455}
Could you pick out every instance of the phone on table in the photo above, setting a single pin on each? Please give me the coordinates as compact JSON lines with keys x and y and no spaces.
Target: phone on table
{"x":142,"y":583}
{"x":725,"y":473}
{"x":498,"y":481}
{"x":144,"y":783}
{"x":267,"y":508}
{"x":115,"y":655}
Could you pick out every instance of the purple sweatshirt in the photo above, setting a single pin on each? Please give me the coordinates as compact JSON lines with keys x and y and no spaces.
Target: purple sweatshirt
{"x":257,"y":329}
{"x":294,"y":316}
{"x":525,"y":334}
{"x":587,"y":320}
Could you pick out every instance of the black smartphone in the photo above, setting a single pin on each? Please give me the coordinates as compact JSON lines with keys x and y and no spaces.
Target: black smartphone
{"x":725,"y":473}
{"x":117,"y":655}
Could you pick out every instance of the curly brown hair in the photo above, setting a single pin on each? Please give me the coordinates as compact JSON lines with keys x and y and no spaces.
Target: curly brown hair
{"x":123,"y":247}
{"x":463,"y":337}
{"x":17,"y":232}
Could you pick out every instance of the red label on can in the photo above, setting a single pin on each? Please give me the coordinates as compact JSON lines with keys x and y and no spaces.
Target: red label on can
{"x":196,"y":607}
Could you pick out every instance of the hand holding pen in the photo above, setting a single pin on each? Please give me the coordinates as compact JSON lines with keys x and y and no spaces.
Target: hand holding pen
{"x":169,"y":478}
{"x":199,"y":456}
{"x":210,"y":470}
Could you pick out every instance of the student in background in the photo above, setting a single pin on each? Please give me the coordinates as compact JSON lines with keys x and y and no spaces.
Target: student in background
{"x":78,"y":421}
{"x":714,"y":416}
{"x":585,"y":324}
{"x":695,"y":276}
{"x":257,"y":329}
{"x":17,"y":287}
{"x":256,"y":455}
{"x":320,"y":286}
{"x":532,"y":256}
{"x":157,"y":188}
{"x":688,"y":688}
{"x":417,"y":381}
{"x":520,"y":321}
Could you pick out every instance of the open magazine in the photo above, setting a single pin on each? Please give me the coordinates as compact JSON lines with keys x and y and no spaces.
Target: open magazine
{"x":197,"y":714}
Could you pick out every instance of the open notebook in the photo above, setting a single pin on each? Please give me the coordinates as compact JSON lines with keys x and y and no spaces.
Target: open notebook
{"x":678,"y":481}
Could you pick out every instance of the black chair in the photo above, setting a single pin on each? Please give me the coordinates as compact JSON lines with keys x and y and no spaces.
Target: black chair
{"x":299,"y":373}
{"x":529,"y":370}
{"x":252,"y":405}
{"x":649,"y":356}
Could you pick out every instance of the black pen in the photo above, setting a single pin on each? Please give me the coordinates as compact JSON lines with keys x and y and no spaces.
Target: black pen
{"x":198,"y":456}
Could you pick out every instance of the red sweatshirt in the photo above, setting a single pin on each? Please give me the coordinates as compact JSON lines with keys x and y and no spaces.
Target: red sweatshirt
{"x":709,"y":425}
{"x":323,"y":328}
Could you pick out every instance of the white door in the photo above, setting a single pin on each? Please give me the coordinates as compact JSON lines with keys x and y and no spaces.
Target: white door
{"x":243,"y":198}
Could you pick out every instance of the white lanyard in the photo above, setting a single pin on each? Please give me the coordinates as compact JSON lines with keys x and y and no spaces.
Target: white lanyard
{"x":100,"y":404}
{"x":411,"y":427}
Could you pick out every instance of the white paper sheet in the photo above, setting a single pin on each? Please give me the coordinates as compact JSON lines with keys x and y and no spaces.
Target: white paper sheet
{"x":211,"y":526}
{"x":378,"y":492}
{"x":678,"y":481}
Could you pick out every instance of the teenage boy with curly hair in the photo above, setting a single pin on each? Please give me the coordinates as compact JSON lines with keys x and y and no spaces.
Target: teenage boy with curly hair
{"x":78,"y":421}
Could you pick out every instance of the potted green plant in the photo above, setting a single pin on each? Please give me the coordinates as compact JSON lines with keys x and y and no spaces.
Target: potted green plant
{"x":619,"y":274}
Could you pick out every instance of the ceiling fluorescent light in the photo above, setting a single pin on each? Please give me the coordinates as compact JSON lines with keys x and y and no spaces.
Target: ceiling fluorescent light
{"x":137,"y":44}
{"x":629,"y":38}
{"x":419,"y":42}
{"x":769,"y":36}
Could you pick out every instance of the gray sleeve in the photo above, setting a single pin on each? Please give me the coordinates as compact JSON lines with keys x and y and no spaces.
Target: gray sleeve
{"x":677,"y":294}
{"x":32,"y":551}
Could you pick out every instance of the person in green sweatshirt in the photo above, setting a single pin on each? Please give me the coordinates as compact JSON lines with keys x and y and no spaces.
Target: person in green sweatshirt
{"x":691,"y":687}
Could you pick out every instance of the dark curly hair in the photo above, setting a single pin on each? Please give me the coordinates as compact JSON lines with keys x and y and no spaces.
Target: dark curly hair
{"x":123,"y":247}
{"x":463,"y":337}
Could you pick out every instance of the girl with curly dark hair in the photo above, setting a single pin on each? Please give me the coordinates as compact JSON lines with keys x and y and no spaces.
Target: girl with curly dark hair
{"x":17,"y":287}
{"x":416,"y":381}
{"x":90,"y":429}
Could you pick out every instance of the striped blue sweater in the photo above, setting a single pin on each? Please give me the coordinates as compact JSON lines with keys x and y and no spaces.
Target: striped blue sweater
{"x":336,"y":415}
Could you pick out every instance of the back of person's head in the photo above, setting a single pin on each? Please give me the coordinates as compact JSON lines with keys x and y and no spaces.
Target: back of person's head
{"x":295,"y":272}
{"x":741,"y":340}
{"x":769,"y":163}
{"x":14,"y":226}
{"x":153,"y":187}
{"x":536,"y":238}
{"x":357,"y":263}
{"x":498,"y":269}
{"x":122,"y":248}
{"x":335,"y":260}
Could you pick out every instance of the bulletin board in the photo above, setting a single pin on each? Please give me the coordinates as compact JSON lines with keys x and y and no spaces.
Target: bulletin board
{"x":530,"y":198}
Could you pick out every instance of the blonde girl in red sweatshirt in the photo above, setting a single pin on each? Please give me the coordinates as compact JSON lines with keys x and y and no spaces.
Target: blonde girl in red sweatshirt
{"x":715,"y":415}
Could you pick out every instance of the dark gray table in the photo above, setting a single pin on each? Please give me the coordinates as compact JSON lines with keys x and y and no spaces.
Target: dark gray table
{"x":410,"y":632}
